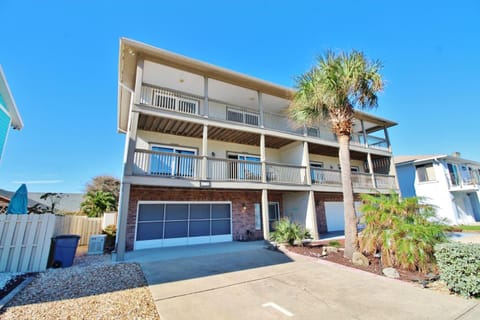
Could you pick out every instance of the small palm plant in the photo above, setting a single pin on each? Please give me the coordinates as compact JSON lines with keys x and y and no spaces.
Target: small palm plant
{"x":403,"y":231}
{"x":97,"y":203}
{"x":289,"y":232}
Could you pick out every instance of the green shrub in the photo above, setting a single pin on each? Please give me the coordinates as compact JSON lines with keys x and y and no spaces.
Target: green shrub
{"x":111,"y":232}
{"x":403,"y":230}
{"x":459,"y":265}
{"x":334,"y":243}
{"x":289,"y":232}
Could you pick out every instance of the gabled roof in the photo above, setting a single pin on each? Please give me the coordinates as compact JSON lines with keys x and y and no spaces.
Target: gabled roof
{"x":7,"y":96}
{"x":405,"y":159}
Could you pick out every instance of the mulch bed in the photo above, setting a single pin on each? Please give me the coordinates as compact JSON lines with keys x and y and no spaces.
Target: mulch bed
{"x":316,"y":249}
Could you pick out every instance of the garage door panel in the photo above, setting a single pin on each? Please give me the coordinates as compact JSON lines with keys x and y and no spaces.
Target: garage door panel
{"x":181,"y":223}
{"x":150,"y":231}
{"x":199,"y":228}
{"x":176,"y":229}
{"x":176,"y":212}
{"x":220,"y":227}
{"x":199,"y":211}
{"x":220,"y":211}
{"x":334,"y":214}
{"x":150,"y":212}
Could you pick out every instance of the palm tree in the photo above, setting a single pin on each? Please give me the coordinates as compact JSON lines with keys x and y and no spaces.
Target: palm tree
{"x":331,"y":91}
{"x":97,"y":203}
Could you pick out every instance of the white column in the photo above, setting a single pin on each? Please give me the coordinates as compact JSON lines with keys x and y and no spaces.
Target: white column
{"x":370,"y":168}
{"x":311,"y":216}
{"x":364,"y":133}
{"x":265,"y":220}
{"x":306,"y":163}
{"x":387,"y":138}
{"x":138,"y":81}
{"x":260,"y":107}
{"x":130,"y":144}
{"x":205,"y":97}
{"x":121,"y":239}
{"x":204,"y":151}
{"x":262,"y":158}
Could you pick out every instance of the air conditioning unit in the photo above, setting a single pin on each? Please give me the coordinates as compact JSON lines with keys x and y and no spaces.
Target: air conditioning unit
{"x":96,"y":244}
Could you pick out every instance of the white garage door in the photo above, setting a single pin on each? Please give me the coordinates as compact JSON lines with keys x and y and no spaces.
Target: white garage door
{"x":334,"y":215}
{"x":162,"y":224}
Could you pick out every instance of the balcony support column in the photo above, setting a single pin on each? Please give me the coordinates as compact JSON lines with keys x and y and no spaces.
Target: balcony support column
{"x":370,"y":168}
{"x":265,"y":216}
{"x":204,"y":152}
{"x":263,"y":157}
{"x":260,"y":107}
{"x":387,"y":138}
{"x":364,"y":132}
{"x":130,"y":143}
{"x":311,"y":217}
{"x":138,"y":81}
{"x":205,"y":97}
{"x":121,"y":238}
{"x":306,"y":163}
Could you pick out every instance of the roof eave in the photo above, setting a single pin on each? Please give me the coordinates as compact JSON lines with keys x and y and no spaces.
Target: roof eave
{"x":17,"y":122}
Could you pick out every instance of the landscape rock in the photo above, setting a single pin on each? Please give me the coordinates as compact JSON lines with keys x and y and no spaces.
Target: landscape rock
{"x":391,"y":273}
{"x":359,"y":259}
{"x":331,"y":249}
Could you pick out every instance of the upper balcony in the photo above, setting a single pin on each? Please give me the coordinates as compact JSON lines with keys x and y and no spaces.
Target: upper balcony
{"x":368,"y":134}
{"x":463,"y":177}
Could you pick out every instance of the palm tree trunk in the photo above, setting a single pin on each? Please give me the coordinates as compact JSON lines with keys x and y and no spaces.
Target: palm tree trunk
{"x":351,"y":235}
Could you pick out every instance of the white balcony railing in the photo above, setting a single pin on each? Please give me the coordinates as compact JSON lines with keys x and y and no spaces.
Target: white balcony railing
{"x":234,"y":170}
{"x":286,"y":174}
{"x":384,"y":181}
{"x":173,"y":101}
{"x":166,"y":164}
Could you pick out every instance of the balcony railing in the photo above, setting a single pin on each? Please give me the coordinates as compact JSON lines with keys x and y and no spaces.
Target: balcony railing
{"x":286,"y":174}
{"x":384,"y":181}
{"x":234,"y":170}
{"x":166,"y":164}
{"x":173,"y":101}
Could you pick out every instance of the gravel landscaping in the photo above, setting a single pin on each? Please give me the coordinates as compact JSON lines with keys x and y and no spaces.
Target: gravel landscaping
{"x":93,"y":288}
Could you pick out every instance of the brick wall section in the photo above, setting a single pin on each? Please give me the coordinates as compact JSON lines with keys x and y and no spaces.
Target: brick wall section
{"x":320,"y":199}
{"x":242,"y":220}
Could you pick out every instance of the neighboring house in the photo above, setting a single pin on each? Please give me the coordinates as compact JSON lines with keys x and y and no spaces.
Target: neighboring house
{"x":5,"y":197}
{"x":210,"y":155}
{"x":70,"y":202}
{"x":9,"y":116}
{"x":450,"y":183}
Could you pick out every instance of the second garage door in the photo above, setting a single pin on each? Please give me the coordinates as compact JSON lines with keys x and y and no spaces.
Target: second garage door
{"x":161,"y":224}
{"x":334,"y":215}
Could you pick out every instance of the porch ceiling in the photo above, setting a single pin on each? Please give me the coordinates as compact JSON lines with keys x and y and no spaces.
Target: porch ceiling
{"x":333,"y":151}
{"x":195,"y":130}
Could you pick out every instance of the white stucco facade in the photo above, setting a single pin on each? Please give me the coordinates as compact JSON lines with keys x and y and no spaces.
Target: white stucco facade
{"x":450,"y":183}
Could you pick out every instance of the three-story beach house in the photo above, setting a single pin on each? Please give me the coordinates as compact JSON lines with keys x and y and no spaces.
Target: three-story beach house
{"x":211,"y":156}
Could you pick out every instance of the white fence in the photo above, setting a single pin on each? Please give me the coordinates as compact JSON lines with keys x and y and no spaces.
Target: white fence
{"x":25,"y":241}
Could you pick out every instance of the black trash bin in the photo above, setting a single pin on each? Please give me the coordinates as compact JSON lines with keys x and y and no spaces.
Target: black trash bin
{"x":62,"y":251}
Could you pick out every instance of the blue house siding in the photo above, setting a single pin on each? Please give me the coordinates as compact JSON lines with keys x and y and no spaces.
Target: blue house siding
{"x":406,"y":180}
{"x":4,"y":126}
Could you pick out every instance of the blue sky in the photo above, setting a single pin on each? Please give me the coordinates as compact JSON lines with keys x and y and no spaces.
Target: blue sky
{"x":61,"y":58}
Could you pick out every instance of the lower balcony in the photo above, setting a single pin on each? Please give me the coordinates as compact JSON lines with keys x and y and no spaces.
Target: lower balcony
{"x":192,"y":167}
{"x":187,"y":166}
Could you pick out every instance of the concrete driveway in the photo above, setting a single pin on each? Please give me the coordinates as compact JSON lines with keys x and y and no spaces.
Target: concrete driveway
{"x":246,"y":281}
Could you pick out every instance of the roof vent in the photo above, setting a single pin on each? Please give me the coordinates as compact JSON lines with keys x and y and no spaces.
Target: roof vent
{"x":456,"y":154}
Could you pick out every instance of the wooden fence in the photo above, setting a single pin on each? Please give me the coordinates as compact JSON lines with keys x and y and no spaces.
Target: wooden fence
{"x":25,"y":241}
{"x":79,"y":225}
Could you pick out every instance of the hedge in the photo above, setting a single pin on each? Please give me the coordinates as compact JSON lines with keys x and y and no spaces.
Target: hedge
{"x":459,"y":265}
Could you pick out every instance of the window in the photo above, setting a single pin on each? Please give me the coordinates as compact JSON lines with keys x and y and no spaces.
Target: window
{"x":453,"y":171}
{"x":251,"y":118}
{"x":258,"y":216}
{"x":273,"y":214}
{"x":173,"y":161}
{"x":315,"y":171}
{"x":426,"y":172}
{"x":352,"y":168}
{"x":313,"y":132}
{"x":249,"y":168}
